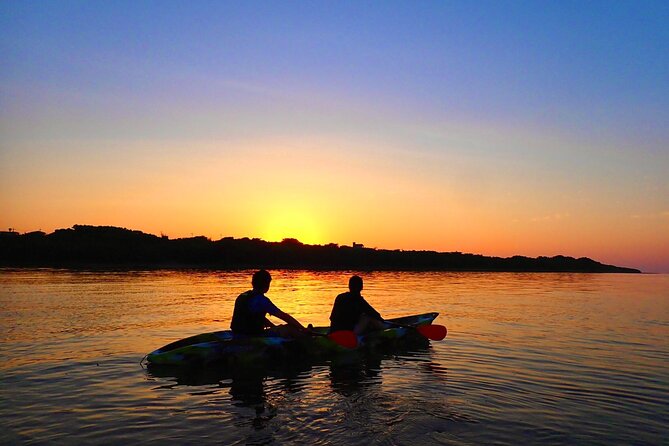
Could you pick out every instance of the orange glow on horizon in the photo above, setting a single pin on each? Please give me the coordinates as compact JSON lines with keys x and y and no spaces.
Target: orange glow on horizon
{"x":274,"y":189}
{"x":291,"y":221}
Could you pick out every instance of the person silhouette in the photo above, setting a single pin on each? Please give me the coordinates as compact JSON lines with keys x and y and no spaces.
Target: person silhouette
{"x":249,"y":317}
{"x":352,"y":312}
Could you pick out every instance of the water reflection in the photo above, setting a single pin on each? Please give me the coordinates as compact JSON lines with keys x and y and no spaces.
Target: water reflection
{"x":347,"y":378}
{"x":268,"y":403}
{"x":348,"y":373}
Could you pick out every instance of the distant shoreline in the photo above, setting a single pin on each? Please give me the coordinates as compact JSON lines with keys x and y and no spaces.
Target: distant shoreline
{"x":121,"y":268}
{"x":106,"y":247}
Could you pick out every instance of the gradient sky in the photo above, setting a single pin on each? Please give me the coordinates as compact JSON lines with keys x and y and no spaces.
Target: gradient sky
{"x":500,"y":128}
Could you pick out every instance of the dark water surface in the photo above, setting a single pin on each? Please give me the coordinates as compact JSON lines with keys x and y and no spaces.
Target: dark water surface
{"x":529,"y":359}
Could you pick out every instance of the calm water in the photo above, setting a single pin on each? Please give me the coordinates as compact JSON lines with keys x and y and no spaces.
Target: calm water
{"x":529,"y":359}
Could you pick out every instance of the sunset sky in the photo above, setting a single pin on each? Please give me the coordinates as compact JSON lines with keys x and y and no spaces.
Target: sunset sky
{"x":499,"y":128}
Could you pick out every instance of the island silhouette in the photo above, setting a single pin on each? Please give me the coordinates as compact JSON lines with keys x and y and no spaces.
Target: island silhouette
{"x":84,"y":246}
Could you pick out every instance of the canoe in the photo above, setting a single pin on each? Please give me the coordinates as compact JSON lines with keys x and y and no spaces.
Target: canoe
{"x":225,"y":347}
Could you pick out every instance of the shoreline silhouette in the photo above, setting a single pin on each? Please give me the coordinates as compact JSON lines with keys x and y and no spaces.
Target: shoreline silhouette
{"x":107,"y":246}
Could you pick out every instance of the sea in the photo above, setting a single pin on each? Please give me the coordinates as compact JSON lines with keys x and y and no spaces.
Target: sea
{"x":530,"y":358}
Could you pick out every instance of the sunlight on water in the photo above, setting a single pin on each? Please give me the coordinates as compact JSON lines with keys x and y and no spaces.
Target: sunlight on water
{"x":529,"y":358}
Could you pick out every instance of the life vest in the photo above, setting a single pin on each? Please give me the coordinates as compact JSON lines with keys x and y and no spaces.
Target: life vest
{"x":245,"y":321}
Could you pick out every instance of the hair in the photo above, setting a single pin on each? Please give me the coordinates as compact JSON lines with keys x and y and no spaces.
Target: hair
{"x":261,"y":279}
{"x":355,"y":283}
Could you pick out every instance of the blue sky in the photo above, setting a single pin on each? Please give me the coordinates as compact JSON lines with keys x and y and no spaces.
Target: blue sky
{"x":553,"y":64}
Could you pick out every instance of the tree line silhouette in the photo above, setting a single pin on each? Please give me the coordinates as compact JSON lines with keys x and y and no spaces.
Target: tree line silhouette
{"x":107,"y":246}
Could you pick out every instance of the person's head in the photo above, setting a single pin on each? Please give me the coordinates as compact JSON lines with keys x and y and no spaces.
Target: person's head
{"x":261,"y":280}
{"x":355,"y":284}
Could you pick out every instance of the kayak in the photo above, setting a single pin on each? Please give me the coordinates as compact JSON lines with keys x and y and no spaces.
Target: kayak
{"x":227,"y":348}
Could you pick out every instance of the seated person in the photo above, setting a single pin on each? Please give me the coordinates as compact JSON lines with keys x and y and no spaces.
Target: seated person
{"x":352,"y":312}
{"x":251,"y":308}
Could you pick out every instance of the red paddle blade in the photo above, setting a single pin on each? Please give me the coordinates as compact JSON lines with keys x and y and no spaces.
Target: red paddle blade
{"x":433,"y":332}
{"x":345,"y":338}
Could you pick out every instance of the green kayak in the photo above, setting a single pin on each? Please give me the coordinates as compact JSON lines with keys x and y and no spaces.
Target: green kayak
{"x":226,"y":348}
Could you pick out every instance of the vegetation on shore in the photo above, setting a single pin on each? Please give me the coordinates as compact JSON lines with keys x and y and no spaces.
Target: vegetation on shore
{"x":105,"y":246}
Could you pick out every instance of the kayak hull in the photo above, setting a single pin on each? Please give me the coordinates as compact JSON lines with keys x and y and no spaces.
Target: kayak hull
{"x":224,"y":347}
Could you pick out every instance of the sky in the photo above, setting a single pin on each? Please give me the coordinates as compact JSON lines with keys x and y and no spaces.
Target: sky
{"x":492,"y":127}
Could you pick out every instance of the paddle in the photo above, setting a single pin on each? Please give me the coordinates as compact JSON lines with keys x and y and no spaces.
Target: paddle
{"x":345,"y":338}
{"x":433,"y":332}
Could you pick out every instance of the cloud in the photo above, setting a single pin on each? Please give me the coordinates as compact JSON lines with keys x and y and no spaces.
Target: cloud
{"x":551,"y":217}
{"x":652,"y":216}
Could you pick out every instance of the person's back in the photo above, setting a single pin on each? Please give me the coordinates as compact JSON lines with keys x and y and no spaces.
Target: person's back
{"x":249,"y":316}
{"x":352,"y":312}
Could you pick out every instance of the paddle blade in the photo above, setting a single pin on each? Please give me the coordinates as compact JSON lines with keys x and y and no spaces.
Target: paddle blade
{"x":433,"y":332}
{"x":345,"y":338}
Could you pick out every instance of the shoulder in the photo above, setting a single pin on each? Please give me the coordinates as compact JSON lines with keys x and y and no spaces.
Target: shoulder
{"x":344,"y":300}
{"x":268,"y":306}
{"x":256,"y":297}
{"x":245,"y":294}
{"x":264,"y":299}
{"x":252,"y":297}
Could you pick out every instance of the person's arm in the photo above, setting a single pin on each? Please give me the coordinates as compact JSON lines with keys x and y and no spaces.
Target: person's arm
{"x":288,"y":319}
{"x":370,"y":311}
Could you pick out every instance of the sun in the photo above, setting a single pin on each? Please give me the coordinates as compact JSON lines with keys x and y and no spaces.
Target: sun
{"x":292,"y":223}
